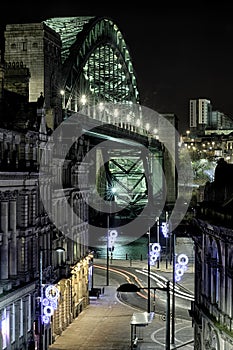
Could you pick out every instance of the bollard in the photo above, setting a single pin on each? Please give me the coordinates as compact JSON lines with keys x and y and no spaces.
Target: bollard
{"x":135,"y":343}
{"x":126,"y":256}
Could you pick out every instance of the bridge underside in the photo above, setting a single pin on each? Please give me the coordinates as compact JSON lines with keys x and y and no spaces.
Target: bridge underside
{"x":119,"y":174}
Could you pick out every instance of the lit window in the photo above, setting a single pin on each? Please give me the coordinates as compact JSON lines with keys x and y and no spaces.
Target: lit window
{"x":12,"y":323}
{"x":29,"y":306}
{"x":21,"y":318}
{"x":5,"y":328}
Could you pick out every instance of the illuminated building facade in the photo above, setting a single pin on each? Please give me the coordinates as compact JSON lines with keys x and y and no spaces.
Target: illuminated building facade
{"x":199,"y":113}
{"x":202,"y":117}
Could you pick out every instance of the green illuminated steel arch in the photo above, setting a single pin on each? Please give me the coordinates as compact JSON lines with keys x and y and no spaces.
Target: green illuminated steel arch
{"x":96,"y":62}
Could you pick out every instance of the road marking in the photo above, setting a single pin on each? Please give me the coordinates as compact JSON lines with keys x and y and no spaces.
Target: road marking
{"x":155,"y":335}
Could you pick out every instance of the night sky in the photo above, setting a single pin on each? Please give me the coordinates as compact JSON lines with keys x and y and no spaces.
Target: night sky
{"x":178,"y":52}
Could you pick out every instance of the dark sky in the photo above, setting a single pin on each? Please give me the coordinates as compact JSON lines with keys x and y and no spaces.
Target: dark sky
{"x":178,"y":52}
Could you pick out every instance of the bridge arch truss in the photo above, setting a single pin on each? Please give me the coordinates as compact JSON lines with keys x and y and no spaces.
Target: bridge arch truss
{"x":97,"y":67}
{"x":98,"y":79}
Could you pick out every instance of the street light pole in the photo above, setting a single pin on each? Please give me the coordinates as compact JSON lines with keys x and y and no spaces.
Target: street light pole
{"x":173,"y":288}
{"x":148,"y":273}
{"x":112,"y":194}
{"x":168,"y":317}
{"x":40,"y":318}
{"x":158,"y":240}
{"x":107,"y":262}
{"x":166,"y":220}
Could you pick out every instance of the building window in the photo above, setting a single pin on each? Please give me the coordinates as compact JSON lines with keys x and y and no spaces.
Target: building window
{"x":24,"y":46}
{"x":13,"y":323}
{"x":5,"y":328}
{"x":13,"y":46}
{"x":21,"y":318}
{"x":29,"y":306}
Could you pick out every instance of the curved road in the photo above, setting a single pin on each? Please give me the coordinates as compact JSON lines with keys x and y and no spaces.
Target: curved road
{"x":138,"y":300}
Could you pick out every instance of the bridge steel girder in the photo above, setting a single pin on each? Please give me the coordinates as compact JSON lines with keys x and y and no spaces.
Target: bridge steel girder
{"x":125,"y":165}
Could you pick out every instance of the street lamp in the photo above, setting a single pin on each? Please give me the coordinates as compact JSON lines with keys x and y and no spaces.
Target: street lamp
{"x":173,"y":287}
{"x":107,"y":262}
{"x":41,"y":293}
{"x":158,"y":240}
{"x":148,"y":273}
{"x":132,"y":288}
{"x":111,"y":194}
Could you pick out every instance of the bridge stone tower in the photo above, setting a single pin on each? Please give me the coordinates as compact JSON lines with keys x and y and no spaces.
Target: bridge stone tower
{"x":38,"y":47}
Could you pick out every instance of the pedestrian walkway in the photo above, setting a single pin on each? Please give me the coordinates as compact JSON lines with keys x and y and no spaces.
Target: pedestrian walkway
{"x":105,"y":323}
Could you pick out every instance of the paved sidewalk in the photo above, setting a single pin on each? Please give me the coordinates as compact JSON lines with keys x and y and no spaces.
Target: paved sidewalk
{"x":105,"y":323}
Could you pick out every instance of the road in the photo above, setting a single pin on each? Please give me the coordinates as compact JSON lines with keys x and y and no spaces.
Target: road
{"x":139,"y":276}
{"x":106,"y":322}
{"x":155,"y":333}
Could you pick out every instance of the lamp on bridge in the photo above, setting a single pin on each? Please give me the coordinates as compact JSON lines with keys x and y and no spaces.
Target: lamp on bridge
{"x":47,"y":300}
{"x":62,"y":93}
{"x":83,"y":102}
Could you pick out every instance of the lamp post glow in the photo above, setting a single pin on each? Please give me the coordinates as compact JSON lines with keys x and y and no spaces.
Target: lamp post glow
{"x":83,"y":100}
{"x":178,"y":270}
{"x":112,"y":192}
{"x":45,"y":308}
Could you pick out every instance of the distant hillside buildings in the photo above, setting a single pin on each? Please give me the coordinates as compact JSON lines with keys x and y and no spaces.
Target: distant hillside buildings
{"x":202,"y":117}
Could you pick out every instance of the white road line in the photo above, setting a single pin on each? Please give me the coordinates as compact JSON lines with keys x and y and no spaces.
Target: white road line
{"x":155,"y":336}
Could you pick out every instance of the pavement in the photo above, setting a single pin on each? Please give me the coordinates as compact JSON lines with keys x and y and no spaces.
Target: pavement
{"x":105,"y":323}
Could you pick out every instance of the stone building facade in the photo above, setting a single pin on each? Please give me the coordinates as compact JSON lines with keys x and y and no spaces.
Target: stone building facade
{"x":29,"y":240}
{"x":39,"y":48}
{"x":212,"y":234}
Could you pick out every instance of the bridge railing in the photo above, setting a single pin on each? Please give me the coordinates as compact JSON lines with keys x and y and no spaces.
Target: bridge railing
{"x":124,"y":116}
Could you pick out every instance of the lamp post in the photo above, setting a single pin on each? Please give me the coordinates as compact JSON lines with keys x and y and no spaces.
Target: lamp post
{"x":132,"y":288}
{"x":107,"y":262}
{"x":166,"y":221}
{"x":40,"y":318}
{"x":112,"y":193}
{"x":173,"y":287}
{"x":158,"y":240}
{"x":148,"y":273}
